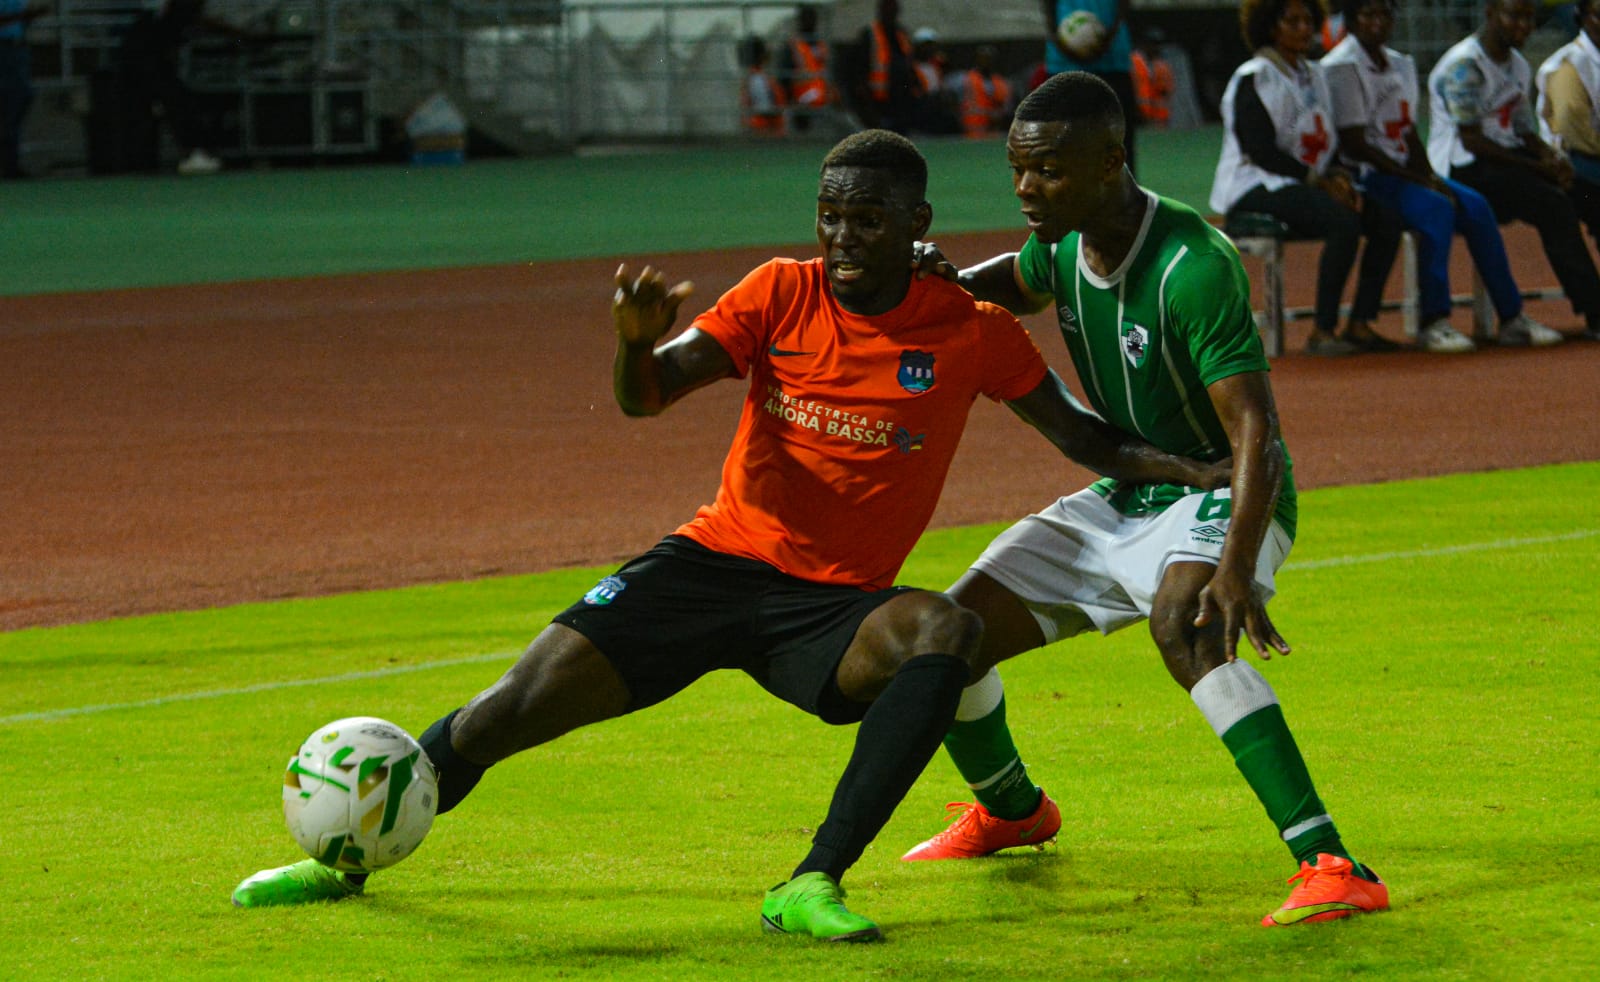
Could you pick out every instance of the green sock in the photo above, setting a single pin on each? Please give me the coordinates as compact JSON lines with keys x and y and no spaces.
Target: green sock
{"x":980,"y":744}
{"x":1243,"y":710}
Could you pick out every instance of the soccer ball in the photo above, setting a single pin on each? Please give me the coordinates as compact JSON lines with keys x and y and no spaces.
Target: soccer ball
{"x":1080,"y":31}
{"x":360,"y":795}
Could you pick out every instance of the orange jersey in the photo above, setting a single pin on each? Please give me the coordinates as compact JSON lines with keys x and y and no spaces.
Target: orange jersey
{"x":851,"y":422}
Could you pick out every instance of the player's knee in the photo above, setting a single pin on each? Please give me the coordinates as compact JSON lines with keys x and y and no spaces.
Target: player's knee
{"x":949,"y":629}
{"x":932,"y":623}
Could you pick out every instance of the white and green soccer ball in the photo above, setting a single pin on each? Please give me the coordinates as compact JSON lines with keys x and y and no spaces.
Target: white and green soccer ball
{"x":360,"y":795}
{"x":1080,"y":31}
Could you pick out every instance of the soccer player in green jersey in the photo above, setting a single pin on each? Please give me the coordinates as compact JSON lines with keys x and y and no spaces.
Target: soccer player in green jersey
{"x":1155,"y":309}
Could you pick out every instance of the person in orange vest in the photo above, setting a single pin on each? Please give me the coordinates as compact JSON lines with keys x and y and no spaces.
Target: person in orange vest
{"x":1153,"y":83}
{"x":803,"y":69}
{"x":761,"y":98}
{"x":884,"y":82}
{"x":985,"y":96}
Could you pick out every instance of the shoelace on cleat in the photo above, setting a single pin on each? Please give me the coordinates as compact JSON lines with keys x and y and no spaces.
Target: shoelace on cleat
{"x":1303,"y":881}
{"x":965,"y":817}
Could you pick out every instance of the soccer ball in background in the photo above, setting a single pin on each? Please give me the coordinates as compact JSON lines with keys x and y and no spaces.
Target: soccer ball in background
{"x":360,"y":795}
{"x":1080,"y":33}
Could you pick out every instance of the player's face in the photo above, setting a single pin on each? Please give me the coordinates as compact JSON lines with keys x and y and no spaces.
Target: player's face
{"x":1511,"y":20}
{"x":866,"y":227}
{"x":1291,"y":33}
{"x":1062,"y":177}
{"x":1374,"y":23}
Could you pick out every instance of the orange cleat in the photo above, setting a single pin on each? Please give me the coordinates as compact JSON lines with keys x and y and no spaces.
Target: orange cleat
{"x":975,"y":832}
{"x":1328,"y":891}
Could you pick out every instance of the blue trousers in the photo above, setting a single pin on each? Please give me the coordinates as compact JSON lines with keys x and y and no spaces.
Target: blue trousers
{"x":1435,"y":221}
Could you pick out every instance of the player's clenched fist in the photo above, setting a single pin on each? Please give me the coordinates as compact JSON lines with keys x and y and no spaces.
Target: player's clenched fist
{"x":643,"y":309}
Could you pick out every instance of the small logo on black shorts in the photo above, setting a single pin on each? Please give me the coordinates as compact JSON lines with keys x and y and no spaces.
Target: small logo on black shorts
{"x":605,"y":591}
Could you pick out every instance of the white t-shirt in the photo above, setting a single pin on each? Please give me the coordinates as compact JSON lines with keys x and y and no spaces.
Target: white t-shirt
{"x":1382,"y":101}
{"x":1466,"y":87}
{"x":1299,"y":106}
{"x":1582,"y":54}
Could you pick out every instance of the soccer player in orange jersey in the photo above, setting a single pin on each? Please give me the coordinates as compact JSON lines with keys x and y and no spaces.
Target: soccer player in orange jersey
{"x":860,"y":380}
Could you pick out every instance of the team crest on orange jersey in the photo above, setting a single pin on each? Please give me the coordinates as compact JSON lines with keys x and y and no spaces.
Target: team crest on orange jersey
{"x":916,"y":371}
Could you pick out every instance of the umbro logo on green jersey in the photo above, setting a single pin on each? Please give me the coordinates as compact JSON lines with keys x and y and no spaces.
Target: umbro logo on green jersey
{"x":1068,"y":320}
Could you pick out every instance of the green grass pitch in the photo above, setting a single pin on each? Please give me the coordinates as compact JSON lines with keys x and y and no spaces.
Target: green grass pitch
{"x":1443,"y":687}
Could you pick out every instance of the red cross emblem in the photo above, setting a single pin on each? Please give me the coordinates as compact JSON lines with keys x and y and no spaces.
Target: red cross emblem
{"x":1313,"y":145}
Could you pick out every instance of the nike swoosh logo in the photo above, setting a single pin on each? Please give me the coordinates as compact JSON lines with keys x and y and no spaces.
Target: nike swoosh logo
{"x":778,"y":352}
{"x":1025,"y":833}
{"x":1299,"y":914}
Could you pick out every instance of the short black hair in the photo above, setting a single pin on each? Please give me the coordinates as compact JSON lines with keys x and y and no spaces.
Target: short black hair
{"x":885,"y":151}
{"x":1257,"y":17}
{"x":1352,"y":8}
{"x":1073,"y":97}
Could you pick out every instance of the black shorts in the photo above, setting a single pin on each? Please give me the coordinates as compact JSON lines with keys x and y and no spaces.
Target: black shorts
{"x":681,"y":611}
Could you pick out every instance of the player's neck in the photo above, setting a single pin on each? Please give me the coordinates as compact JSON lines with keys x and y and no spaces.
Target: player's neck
{"x":1498,"y":49}
{"x":1106,"y":242}
{"x":1375,"y":52}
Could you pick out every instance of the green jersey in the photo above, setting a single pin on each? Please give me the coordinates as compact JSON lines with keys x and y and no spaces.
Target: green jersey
{"x":1147,"y":340}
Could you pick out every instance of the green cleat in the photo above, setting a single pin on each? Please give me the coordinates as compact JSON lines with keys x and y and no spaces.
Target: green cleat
{"x":305,"y":882}
{"x":813,"y":904}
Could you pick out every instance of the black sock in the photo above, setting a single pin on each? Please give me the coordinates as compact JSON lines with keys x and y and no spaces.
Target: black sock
{"x":457,"y":775}
{"x":896,"y":739}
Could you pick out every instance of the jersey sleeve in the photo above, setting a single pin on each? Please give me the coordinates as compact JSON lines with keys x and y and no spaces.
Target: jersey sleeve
{"x":741,"y":317}
{"x":1035,"y":262}
{"x":1462,"y":90}
{"x":1013,"y":364}
{"x":1209,"y":303}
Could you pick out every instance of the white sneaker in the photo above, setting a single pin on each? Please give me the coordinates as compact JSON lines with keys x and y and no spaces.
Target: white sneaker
{"x":199,"y":162}
{"x":1440,"y":338}
{"x":1523,"y":331}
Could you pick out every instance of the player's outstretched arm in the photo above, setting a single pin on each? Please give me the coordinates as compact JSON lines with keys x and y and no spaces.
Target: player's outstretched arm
{"x":1244,"y":404}
{"x":1089,"y":440}
{"x":646,"y":379}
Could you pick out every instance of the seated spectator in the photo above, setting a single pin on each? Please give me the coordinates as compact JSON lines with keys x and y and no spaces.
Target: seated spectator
{"x":983,"y":94}
{"x":1374,"y":89}
{"x":1278,"y":159}
{"x":1153,"y":83}
{"x":761,"y":98}
{"x":1482,"y":133}
{"x":1569,"y":117}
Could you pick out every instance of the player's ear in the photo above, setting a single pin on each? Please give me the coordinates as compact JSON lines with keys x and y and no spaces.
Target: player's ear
{"x":922,"y":215}
{"x":1116,"y":155}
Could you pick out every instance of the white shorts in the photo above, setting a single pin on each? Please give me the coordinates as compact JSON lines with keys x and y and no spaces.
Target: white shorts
{"x":1080,"y":563}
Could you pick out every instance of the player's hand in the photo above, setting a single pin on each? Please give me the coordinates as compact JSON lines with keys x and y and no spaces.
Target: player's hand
{"x":1233,"y":599}
{"x":643,"y":309}
{"x":1560,"y":170}
{"x":926,"y":258}
{"x":1339,"y":186}
{"x":1218,"y":474}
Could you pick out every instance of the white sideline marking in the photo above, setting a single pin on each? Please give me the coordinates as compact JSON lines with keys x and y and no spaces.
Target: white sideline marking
{"x":1383,"y":557}
{"x":53,"y":714}
{"x":377,"y":673}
